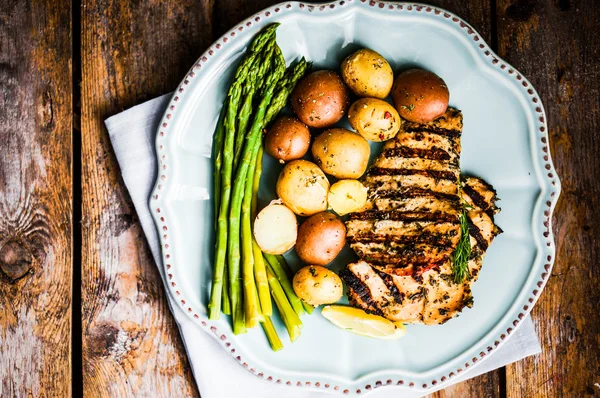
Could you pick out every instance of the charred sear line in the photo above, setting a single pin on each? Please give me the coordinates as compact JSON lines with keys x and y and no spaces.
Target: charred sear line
{"x":410,"y":127}
{"x":360,"y":289}
{"x":476,"y":197}
{"x":437,"y":174}
{"x":404,"y":216}
{"x":389,"y":282}
{"x":356,"y":301}
{"x":433,"y":153}
{"x":407,"y":193}
{"x":425,"y":238}
{"x":486,"y":185}
{"x":475,"y":233}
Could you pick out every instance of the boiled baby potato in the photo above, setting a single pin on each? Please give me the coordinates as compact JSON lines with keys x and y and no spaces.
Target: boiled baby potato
{"x":320,"y":238}
{"x":320,"y":99}
{"x":317,"y":285}
{"x":347,"y":196}
{"x":420,"y":96}
{"x":275,"y":228}
{"x":368,"y":74}
{"x":341,"y":153}
{"x":374,"y":119}
{"x":287,"y":139}
{"x":303,"y":187}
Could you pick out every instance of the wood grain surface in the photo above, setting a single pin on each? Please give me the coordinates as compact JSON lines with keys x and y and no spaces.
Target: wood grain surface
{"x":130,"y":52}
{"x":114,"y":54}
{"x":557,"y":46}
{"x":35,"y":198}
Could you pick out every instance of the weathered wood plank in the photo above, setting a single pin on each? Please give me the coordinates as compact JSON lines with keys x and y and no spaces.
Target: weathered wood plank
{"x":131,"y":52}
{"x":556,"y":45}
{"x":35,"y":198}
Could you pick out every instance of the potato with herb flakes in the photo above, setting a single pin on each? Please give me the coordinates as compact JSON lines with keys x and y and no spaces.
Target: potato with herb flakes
{"x":341,"y":153}
{"x":347,"y":196}
{"x":320,"y":238}
{"x":374,"y":119}
{"x":303,"y":187}
{"x":368,"y":74}
{"x":320,"y":99}
{"x":317,"y":285}
{"x":420,"y":96}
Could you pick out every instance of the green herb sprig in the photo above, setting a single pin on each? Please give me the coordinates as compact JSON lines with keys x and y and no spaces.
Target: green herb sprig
{"x":462,"y":253}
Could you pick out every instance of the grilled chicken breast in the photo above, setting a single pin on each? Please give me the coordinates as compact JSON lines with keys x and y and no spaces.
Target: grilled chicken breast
{"x":410,"y":227}
{"x":411,"y":220}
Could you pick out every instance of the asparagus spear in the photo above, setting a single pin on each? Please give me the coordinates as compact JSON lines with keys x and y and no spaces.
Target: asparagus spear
{"x":226,"y":301}
{"x":251,"y":147}
{"x":251,"y":303}
{"x":260,"y":272}
{"x":218,"y":156}
{"x":255,"y":80}
{"x":286,"y":86}
{"x":233,"y":97}
{"x":285,"y":265}
{"x":271,"y":333}
{"x":281,"y":275}
{"x":307,"y":307}
{"x":288,"y":315}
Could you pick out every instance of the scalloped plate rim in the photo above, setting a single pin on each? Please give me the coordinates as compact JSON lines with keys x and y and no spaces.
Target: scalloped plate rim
{"x":552,"y":186}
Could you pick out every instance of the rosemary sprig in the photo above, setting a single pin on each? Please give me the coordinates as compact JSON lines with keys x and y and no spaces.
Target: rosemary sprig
{"x":460,"y":257}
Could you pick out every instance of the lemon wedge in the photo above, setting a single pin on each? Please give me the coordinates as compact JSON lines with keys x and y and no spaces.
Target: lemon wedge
{"x":359,"y":322}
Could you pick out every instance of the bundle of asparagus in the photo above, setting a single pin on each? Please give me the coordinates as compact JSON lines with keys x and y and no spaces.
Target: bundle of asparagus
{"x":244,"y":278}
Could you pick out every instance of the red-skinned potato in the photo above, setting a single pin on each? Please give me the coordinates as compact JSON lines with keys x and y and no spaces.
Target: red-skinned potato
{"x":320,"y":238}
{"x":288,"y":139}
{"x":420,"y":96}
{"x":320,"y":99}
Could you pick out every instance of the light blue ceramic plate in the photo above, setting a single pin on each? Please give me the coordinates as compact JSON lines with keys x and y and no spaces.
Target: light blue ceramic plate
{"x":504,"y":141}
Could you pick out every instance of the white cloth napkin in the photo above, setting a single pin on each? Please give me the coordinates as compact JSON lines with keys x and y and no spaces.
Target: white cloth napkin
{"x":132,"y":134}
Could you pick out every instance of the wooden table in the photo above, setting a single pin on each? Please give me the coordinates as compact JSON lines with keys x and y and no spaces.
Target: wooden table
{"x":82,"y":308}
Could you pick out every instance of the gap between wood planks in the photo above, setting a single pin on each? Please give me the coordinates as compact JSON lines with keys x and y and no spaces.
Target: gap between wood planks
{"x":76,"y":315}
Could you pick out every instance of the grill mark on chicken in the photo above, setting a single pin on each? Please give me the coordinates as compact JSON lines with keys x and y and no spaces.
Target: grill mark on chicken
{"x":411,"y":192}
{"x":432,"y":153}
{"x":389,"y":282}
{"x":433,"y":130}
{"x":477,"y":199}
{"x":437,"y":174}
{"x":479,"y":193}
{"x":428,"y":238}
{"x":355,"y":301}
{"x":405,"y":216}
{"x":475,"y":233}
{"x":415,"y":128}
{"x":360,"y":290}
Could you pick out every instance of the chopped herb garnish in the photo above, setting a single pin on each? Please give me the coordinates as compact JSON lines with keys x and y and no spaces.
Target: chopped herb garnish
{"x":409,"y":108}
